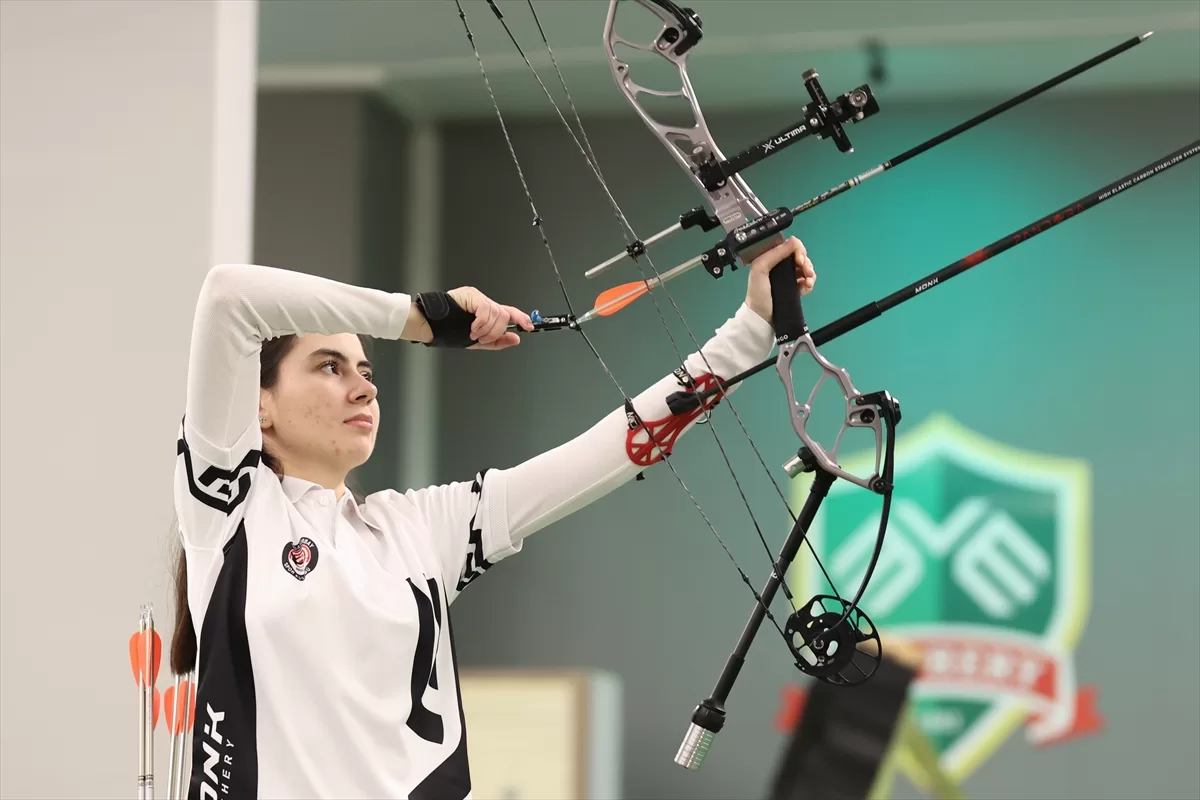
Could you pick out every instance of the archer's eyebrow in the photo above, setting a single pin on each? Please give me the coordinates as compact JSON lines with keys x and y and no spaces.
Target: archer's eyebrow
{"x":337,"y":355}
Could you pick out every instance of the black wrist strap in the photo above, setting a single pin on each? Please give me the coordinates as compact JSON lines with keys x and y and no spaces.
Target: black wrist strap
{"x":449,"y":323}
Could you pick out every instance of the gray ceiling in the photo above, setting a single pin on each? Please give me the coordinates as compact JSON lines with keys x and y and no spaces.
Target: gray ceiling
{"x":753,"y":52}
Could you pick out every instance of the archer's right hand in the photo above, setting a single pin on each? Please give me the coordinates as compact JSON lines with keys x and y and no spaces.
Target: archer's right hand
{"x":490,"y":328}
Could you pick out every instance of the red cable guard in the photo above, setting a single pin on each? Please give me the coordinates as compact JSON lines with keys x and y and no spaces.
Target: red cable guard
{"x":666,"y":430}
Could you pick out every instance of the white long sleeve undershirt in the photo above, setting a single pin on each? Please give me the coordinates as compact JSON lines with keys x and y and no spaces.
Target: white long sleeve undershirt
{"x":240,"y":306}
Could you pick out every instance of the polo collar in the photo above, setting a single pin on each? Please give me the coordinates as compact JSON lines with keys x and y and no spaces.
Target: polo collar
{"x":295,"y":489}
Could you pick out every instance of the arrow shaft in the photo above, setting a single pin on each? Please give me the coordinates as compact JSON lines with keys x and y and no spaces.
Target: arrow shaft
{"x":603,"y":267}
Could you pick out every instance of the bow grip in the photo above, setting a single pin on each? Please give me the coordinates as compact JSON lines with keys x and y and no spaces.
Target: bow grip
{"x":787,"y":315}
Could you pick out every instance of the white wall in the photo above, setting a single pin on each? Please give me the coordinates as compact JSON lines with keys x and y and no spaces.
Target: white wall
{"x":126,"y":150}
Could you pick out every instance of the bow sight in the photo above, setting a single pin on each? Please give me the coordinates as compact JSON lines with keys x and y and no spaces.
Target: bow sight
{"x":820,"y":118}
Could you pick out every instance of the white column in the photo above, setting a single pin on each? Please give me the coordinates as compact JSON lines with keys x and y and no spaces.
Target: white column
{"x":126,"y":150}
{"x":418,"y":449}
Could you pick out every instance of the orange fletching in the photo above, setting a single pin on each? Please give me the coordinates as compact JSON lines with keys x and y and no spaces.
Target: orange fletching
{"x":614,"y":296}
{"x":137,"y":657}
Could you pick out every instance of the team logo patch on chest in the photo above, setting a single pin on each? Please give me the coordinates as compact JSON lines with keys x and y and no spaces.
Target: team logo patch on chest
{"x":299,"y":559}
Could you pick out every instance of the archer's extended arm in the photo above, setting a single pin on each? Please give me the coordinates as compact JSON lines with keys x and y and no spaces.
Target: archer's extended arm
{"x":612,"y":452}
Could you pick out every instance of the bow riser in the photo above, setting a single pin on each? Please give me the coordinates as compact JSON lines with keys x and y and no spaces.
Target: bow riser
{"x":858,"y":412}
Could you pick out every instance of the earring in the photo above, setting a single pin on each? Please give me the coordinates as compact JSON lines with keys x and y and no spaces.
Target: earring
{"x":262,"y":420}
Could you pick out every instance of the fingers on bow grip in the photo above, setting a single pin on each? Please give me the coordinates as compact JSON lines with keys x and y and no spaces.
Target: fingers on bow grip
{"x":649,"y":441}
{"x":787,"y":315}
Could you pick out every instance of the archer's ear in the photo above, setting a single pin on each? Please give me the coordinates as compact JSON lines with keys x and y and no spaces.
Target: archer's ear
{"x":265,"y":407}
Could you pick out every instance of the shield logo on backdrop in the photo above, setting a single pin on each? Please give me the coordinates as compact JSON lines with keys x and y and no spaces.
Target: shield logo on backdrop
{"x":986,"y":567}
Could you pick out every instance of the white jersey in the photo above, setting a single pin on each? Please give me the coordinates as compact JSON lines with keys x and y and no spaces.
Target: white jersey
{"x":326,"y":664}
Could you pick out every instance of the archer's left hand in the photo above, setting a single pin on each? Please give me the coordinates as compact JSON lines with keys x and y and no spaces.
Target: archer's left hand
{"x":758,"y":288}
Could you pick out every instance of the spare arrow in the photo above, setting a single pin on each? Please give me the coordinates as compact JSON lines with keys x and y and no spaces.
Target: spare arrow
{"x":145,"y":657}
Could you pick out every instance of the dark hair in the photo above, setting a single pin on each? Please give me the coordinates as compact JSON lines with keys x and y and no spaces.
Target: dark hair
{"x":183,"y":639}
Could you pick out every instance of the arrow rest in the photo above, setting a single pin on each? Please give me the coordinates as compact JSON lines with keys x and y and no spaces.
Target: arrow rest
{"x":726,"y":252}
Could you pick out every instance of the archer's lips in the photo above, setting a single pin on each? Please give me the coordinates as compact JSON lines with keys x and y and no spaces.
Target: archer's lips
{"x":362,"y":421}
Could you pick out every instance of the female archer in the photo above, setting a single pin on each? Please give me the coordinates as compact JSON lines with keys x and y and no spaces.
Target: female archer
{"x":318,"y":622}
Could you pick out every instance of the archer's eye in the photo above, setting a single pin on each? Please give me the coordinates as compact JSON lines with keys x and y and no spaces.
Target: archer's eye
{"x":330,"y":366}
{"x":370,"y":376}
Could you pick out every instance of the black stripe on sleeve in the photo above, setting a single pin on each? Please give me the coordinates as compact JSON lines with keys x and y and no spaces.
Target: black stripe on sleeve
{"x":475,"y":564}
{"x":221,"y":489}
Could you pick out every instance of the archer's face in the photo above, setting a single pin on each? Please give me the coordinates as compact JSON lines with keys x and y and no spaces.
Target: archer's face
{"x":323,"y":412}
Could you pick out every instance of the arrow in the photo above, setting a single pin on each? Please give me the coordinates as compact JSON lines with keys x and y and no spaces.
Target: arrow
{"x":145,"y":657}
{"x":609,"y":301}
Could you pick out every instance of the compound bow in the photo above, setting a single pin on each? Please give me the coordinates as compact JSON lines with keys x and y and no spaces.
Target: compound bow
{"x":830,"y":638}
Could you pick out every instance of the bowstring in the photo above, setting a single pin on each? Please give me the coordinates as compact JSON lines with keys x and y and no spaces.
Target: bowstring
{"x":594,"y":163}
{"x":623,"y":222}
{"x":537,"y":222}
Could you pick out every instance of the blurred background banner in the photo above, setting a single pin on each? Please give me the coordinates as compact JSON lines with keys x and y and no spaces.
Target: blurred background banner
{"x":987,"y":570}
{"x":1045,"y":538}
